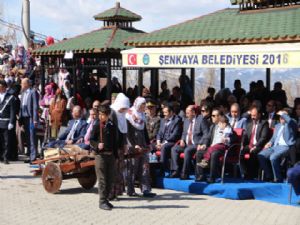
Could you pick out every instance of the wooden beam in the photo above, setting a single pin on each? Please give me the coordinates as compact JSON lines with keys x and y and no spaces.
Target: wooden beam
{"x":140,"y":81}
{"x":222,"y":84}
{"x":268,"y":78}
{"x":124,"y":80}
{"x":193,"y":81}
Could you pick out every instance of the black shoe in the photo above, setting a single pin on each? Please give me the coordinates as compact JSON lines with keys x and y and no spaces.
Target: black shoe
{"x":200,"y":178}
{"x":109,"y":204}
{"x":6,"y":162}
{"x":211,"y":180}
{"x":134,"y":195}
{"x":105,"y":206}
{"x":114,"y":198}
{"x":184,"y":177}
{"x":175,"y":174}
{"x":27,"y":161}
{"x":149,"y":195}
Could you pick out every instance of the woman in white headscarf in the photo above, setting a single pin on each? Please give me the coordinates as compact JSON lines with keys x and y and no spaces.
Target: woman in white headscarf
{"x":118,"y":113}
{"x":138,"y":167}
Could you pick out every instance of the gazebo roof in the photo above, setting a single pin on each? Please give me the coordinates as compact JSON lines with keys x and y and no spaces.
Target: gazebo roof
{"x":118,"y":14}
{"x":228,"y":26}
{"x":108,"y":39}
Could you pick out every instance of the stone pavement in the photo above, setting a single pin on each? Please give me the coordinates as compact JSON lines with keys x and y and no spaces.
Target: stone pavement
{"x":24,"y":201}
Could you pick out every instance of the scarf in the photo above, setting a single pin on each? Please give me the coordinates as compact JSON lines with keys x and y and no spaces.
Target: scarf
{"x":135,"y":118}
{"x":121,"y":102}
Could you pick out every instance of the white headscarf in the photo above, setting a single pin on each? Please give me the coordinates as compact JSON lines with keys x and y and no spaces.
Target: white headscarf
{"x":136,"y":118}
{"x":121,"y":102}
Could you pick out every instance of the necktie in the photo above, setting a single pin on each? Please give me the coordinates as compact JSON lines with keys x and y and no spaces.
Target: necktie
{"x":234,"y":122}
{"x":88,"y":133}
{"x":276,"y":142}
{"x":190,"y":133}
{"x":72,"y":132}
{"x":251,"y":143}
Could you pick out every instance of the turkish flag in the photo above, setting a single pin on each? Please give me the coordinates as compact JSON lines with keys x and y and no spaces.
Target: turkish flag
{"x":132,"y":59}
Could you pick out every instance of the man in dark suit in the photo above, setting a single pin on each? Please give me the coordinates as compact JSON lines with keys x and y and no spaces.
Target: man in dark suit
{"x":271,"y":115}
{"x":169,"y":133}
{"x":29,"y":116}
{"x":194,"y":130}
{"x":7,"y":119}
{"x":256,"y":136}
{"x":75,"y":131}
{"x":280,"y":144}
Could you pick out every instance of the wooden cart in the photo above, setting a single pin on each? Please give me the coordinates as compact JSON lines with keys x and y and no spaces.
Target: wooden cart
{"x":56,"y":167}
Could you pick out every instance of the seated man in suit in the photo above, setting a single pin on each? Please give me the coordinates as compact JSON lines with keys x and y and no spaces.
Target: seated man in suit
{"x":75,"y":131}
{"x":235,"y":119}
{"x":283,"y":138}
{"x":271,"y":115}
{"x":215,"y":144}
{"x":256,"y":136}
{"x":194,"y":130}
{"x":84,"y":142}
{"x":169,"y":133}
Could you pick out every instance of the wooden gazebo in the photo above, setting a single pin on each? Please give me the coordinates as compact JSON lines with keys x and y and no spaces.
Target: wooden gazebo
{"x":97,"y":50}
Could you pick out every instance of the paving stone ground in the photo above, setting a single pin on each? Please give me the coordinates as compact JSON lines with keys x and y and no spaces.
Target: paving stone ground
{"x":23,"y":201}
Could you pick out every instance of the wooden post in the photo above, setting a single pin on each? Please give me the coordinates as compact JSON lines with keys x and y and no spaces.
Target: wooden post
{"x":154,"y":83}
{"x":108,"y":79}
{"x":268,"y":78}
{"x":193,"y":81}
{"x":124,"y":80}
{"x":140,"y":81}
{"x":222,"y":78}
{"x":43,"y":75}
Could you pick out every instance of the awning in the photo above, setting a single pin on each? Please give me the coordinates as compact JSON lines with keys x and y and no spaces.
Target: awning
{"x":286,"y":55}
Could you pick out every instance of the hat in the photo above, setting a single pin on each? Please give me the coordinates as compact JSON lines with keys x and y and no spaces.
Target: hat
{"x":151,"y":103}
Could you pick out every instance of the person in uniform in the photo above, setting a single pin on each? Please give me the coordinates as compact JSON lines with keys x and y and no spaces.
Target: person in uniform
{"x":152,"y":120}
{"x":7,"y":119}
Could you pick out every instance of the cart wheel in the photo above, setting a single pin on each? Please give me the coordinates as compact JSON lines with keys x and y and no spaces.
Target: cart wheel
{"x":88,"y":179}
{"x":52,"y":177}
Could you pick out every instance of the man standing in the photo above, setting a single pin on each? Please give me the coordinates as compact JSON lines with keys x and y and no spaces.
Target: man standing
{"x":29,"y":116}
{"x":7,"y":119}
{"x":255,"y":137}
{"x":194,"y":130}
{"x":283,"y":138}
{"x":169,"y":133}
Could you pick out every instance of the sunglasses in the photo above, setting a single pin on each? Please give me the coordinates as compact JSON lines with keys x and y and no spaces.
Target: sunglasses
{"x":202,"y":110}
{"x":214,"y":115}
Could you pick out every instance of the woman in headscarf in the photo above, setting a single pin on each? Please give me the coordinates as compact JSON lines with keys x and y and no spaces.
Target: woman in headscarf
{"x":138,"y":142}
{"x":118,"y":113}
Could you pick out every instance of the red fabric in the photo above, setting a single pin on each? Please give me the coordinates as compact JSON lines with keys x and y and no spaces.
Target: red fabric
{"x":211,"y":149}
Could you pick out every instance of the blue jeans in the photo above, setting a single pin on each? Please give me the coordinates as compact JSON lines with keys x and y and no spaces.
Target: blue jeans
{"x":293,"y":175}
{"x":272,"y":154}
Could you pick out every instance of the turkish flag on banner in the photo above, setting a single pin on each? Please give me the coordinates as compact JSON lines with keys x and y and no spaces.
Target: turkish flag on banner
{"x":132,"y":59}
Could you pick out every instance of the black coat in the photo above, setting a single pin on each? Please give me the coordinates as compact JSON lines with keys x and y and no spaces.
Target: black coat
{"x":108,"y":135}
{"x":262,"y":134}
{"x":7,"y":111}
